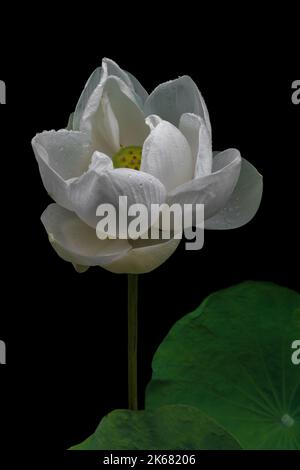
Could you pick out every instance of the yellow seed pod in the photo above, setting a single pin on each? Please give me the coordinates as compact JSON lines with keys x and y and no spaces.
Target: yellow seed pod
{"x":128,"y":157}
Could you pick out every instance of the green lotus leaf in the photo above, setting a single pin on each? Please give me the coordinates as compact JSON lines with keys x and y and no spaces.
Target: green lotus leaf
{"x":176,"y":427}
{"x":232,"y":359}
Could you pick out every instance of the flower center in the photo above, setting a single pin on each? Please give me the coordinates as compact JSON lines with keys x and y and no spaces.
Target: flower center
{"x":128,"y":157}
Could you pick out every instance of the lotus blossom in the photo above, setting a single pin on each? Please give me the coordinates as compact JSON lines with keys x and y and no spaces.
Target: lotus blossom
{"x":153,"y":149}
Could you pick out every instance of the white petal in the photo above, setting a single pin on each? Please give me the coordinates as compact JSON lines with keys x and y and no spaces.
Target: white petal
{"x":100,"y":122}
{"x":98,"y":77}
{"x":113,"y":117}
{"x":113,"y":69}
{"x":153,"y":120}
{"x":61,"y":156}
{"x":90,"y":86}
{"x":70,"y":122}
{"x":243,"y":203}
{"x":145,"y":256}
{"x":80,"y":268}
{"x":194,"y":129}
{"x":107,"y":125}
{"x":76,"y":242}
{"x":166,"y":154}
{"x":213,"y":190}
{"x":104,"y":186}
{"x":139,"y":89}
{"x":172,"y":99}
{"x":99,"y":162}
{"x":130,"y":117}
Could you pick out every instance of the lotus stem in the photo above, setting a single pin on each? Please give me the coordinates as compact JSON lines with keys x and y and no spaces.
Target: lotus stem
{"x":132,"y":341}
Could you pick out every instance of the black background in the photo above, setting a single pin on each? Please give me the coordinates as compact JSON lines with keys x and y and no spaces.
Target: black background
{"x":65,"y":332}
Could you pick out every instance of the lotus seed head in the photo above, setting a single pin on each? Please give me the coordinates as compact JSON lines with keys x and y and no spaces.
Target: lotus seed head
{"x":128,"y":157}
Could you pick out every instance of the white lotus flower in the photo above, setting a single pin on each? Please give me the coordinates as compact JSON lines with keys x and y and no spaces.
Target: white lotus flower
{"x":152,"y":149}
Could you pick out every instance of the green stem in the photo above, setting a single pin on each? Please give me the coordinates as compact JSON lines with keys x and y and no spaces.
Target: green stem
{"x":132,"y":341}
